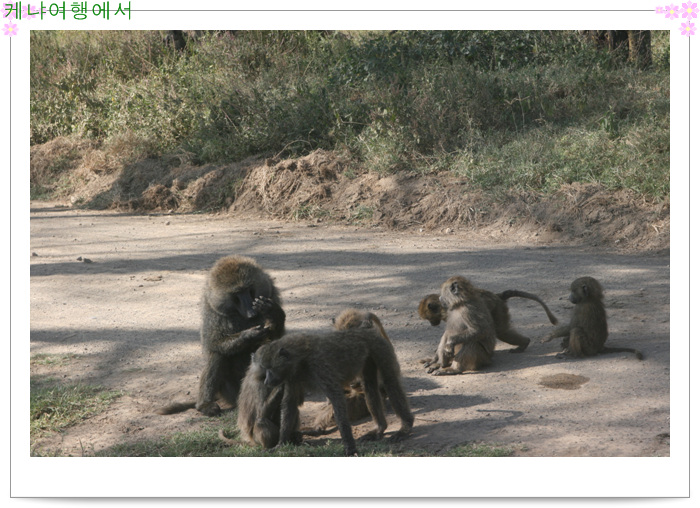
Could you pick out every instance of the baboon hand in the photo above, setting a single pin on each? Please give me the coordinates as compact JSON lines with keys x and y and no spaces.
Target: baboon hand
{"x":262,"y":305}
{"x":547,"y":338}
{"x":256,"y":333}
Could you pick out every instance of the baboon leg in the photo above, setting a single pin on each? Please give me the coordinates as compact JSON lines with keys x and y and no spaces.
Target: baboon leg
{"x":560,"y":331}
{"x":397,"y":397}
{"x":510,"y":336}
{"x":370,"y":385}
{"x":266,"y":433}
{"x":340,"y":411}
{"x":579,"y":344}
{"x":209,"y":386}
{"x":472,"y":356}
{"x":289,"y":418}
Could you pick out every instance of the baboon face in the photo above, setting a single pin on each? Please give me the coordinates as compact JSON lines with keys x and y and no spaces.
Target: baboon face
{"x":455,"y":290}
{"x":431,"y":309}
{"x":275,"y":362}
{"x":585,"y":289}
{"x":233,"y":285}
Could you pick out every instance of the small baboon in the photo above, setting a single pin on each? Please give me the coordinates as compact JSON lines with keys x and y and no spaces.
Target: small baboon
{"x":241,"y":310}
{"x":431,"y":309}
{"x":469,"y":325}
{"x":586,"y":333}
{"x":355,"y":396}
{"x":259,"y":409}
{"x":328,"y":363}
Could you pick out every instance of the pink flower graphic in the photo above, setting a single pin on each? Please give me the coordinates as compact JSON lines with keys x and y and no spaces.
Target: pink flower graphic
{"x":687,"y":29}
{"x":5,"y":12}
{"x":690,"y":10}
{"x":672,"y":11}
{"x":26,"y":10}
{"x":660,"y":10}
{"x":10,"y":29}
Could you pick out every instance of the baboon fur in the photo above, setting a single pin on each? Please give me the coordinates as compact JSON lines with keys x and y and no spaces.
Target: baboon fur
{"x":354,"y":395}
{"x":241,"y":310}
{"x":328,"y":363}
{"x":431,"y":309}
{"x":586,"y":333}
{"x":259,"y":408}
{"x":470,"y":335}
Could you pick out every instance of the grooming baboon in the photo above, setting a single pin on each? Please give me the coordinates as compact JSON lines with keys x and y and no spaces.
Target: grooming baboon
{"x":354,"y":395}
{"x":329,"y":362}
{"x":240,"y":311}
{"x":431,"y":309}
{"x":469,"y":325}
{"x":586,"y":333}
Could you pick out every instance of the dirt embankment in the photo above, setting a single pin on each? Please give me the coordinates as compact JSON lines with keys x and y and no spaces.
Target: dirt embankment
{"x":324,"y":187}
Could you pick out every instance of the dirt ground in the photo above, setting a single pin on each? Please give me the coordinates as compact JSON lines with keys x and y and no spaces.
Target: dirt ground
{"x":131,"y":318}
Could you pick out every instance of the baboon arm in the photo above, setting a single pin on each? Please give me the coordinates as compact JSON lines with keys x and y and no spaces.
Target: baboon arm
{"x":272,"y":403}
{"x":560,"y":331}
{"x":240,"y":342}
{"x":289,"y":416}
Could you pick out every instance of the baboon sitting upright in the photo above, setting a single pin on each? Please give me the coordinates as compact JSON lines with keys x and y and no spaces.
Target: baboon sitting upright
{"x":468,"y":324}
{"x":431,"y":309}
{"x":241,"y":310}
{"x":586,"y":333}
{"x":354,"y":395}
{"x":329,"y":362}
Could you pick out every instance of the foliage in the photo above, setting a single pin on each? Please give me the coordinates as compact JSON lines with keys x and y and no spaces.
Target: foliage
{"x":529,"y":109}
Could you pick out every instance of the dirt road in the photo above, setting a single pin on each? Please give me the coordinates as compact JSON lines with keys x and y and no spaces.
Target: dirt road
{"x":131,"y":318}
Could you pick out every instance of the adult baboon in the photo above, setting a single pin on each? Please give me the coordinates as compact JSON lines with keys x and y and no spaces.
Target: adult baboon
{"x":586,"y":333}
{"x":354,"y":394}
{"x":328,"y":363}
{"x":240,"y":311}
{"x":431,"y":309}
{"x":469,"y":325}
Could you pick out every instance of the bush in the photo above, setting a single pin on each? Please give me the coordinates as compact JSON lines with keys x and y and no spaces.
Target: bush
{"x":466,"y":101}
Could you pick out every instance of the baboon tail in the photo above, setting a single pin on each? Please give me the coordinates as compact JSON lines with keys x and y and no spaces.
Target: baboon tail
{"x":637,"y":353}
{"x":510,"y":293}
{"x":176,"y":407}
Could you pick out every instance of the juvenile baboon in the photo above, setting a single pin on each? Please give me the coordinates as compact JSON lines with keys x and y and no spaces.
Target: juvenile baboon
{"x":259,"y":408}
{"x":469,"y":325}
{"x":328,"y":363}
{"x":431,"y":309}
{"x":586,"y":333}
{"x":240,"y":312}
{"x":354,"y":395}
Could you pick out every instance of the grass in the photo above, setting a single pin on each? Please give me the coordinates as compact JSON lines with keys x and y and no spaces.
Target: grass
{"x":54,"y":407}
{"x":51,"y":359}
{"x":504,"y":109}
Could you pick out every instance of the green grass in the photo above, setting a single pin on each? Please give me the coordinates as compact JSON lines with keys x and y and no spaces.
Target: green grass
{"x":51,"y":359}
{"x":205,"y":442}
{"x":504,"y":109}
{"x":54,"y":407}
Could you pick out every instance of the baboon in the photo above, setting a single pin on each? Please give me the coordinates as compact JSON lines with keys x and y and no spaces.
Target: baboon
{"x":586,"y":333}
{"x":431,"y":309}
{"x":259,"y":408}
{"x":354,"y":395}
{"x":469,"y":325}
{"x":241,"y":310}
{"x":328,"y":363}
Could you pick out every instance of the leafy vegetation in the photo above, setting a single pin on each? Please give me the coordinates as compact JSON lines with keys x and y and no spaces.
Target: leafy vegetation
{"x":503,"y":109}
